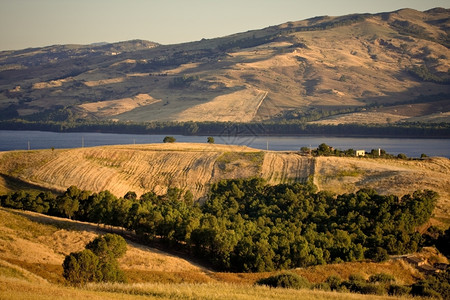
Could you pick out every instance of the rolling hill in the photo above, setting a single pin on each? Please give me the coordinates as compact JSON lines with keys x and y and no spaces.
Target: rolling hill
{"x":194,"y":167}
{"x":366,"y":68}
{"x":33,"y":247}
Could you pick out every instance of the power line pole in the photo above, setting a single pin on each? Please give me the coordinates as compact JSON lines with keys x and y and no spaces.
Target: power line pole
{"x":82,"y":142}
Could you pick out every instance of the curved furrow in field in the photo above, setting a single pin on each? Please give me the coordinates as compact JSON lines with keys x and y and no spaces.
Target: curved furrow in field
{"x":268,"y":171}
{"x":279,"y":167}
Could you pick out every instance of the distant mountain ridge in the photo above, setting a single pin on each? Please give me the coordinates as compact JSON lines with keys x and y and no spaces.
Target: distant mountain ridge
{"x":361,"y":68}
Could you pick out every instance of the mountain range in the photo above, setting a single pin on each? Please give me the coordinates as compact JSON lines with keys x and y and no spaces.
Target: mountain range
{"x":361,"y":68}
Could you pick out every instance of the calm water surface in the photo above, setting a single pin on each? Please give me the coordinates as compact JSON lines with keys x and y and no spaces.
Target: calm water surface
{"x":23,"y":140}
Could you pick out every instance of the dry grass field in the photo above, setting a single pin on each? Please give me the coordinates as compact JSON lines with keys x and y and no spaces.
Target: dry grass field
{"x":33,"y":246}
{"x":393,"y":176}
{"x":155,"y":167}
{"x":143,"y":168}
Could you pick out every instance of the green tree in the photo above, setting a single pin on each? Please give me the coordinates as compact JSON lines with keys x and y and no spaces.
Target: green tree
{"x":210,"y":140}
{"x":108,"y":245}
{"x":82,"y":267}
{"x":169,"y":139}
{"x":98,"y":262}
{"x":402,"y":156}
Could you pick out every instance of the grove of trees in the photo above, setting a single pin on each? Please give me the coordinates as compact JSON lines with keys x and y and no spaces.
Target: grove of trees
{"x":246,"y":225}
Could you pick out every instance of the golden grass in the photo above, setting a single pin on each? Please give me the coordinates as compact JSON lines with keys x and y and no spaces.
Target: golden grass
{"x":153,"y":274}
{"x":144,"y":168}
{"x":387,"y":176}
{"x":15,"y":289}
{"x":39,"y":243}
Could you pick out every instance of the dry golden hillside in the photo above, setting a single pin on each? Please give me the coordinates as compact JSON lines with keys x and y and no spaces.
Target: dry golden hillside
{"x":143,"y":168}
{"x":33,"y":247}
{"x":155,"y":167}
{"x":286,"y":71}
{"x":39,"y":243}
{"x":398,"y":177}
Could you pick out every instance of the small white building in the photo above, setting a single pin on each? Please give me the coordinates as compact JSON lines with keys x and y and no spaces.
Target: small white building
{"x":360,"y":152}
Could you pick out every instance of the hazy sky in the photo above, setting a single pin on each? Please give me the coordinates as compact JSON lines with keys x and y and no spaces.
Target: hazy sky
{"x":35,"y":23}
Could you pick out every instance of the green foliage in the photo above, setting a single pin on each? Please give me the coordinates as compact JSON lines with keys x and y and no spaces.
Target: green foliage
{"x":98,"y":262}
{"x":377,"y":254}
{"x":82,"y":267}
{"x":210,"y":140}
{"x":247,"y":225}
{"x":289,"y":126}
{"x":184,"y":81}
{"x":398,"y":290}
{"x":334,"y":282}
{"x":382,"y":278}
{"x":402,"y":156}
{"x":108,"y":245}
{"x":285,"y":280}
{"x":436,"y":286}
{"x":423,"y":73}
{"x":169,"y":139}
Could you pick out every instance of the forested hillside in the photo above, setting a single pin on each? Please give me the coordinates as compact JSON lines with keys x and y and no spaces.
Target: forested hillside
{"x":246,"y":225}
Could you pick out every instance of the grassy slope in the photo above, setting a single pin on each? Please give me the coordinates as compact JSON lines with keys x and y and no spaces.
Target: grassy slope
{"x":349,"y":65}
{"x":32,"y":248}
{"x":143,"y":168}
{"x":393,"y":176}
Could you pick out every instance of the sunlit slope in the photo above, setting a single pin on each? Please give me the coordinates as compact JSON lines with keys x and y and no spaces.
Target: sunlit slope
{"x":393,"y":176}
{"x":144,"y":168}
{"x":194,"y":167}
{"x":33,"y":246}
{"x":39,"y":244}
{"x":284,"y":71}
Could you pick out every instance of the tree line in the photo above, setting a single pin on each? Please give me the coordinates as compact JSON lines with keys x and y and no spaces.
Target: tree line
{"x":247,"y":225}
{"x":326,"y":150}
{"x":283,"y":127}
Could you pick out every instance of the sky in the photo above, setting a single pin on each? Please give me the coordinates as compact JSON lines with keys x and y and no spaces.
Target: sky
{"x":38,"y":23}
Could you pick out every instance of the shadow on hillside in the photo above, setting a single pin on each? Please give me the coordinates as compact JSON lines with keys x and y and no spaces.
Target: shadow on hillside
{"x":157,"y":245}
{"x":15,"y":184}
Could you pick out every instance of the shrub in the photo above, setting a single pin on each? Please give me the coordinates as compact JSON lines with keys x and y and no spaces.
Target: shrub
{"x":402,"y":156}
{"x":374,"y":289}
{"x":285,"y":280}
{"x":98,"y":262}
{"x":437,"y":286}
{"x":355,"y":283}
{"x":378,"y":254}
{"x":334,"y":282}
{"x":382,"y":278}
{"x":398,"y":290}
{"x":322,"y":286}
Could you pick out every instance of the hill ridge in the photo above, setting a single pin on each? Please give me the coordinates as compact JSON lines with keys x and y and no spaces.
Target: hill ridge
{"x":378,"y":65}
{"x":194,"y":167}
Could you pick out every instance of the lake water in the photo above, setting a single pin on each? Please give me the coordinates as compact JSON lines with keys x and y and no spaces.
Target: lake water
{"x":23,"y":140}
